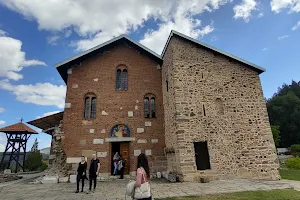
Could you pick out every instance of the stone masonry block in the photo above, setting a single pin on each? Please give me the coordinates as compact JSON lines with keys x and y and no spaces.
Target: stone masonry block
{"x":147,"y":123}
{"x":142,"y":141}
{"x":73,"y":178}
{"x":75,"y":86}
{"x":130,"y":113}
{"x":154,"y":141}
{"x":68,"y":105}
{"x":140,"y":130}
{"x":104,"y":113}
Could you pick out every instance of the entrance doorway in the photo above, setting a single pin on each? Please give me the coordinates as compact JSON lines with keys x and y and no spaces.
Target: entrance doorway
{"x":202,"y":155}
{"x":123,"y":149}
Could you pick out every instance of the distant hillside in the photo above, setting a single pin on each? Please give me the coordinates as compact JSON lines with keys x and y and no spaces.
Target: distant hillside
{"x":45,"y":150}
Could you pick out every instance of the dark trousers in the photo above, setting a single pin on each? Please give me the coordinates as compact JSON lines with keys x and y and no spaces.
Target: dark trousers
{"x":121,"y":173}
{"x":93,"y":177}
{"x":79,"y":176}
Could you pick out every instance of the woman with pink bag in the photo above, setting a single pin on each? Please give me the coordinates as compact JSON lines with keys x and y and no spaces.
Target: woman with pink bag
{"x":142,"y":186}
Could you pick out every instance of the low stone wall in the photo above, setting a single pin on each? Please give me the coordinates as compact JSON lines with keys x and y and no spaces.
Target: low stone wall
{"x":9,"y":177}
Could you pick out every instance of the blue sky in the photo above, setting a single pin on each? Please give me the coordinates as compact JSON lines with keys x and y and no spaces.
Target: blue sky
{"x":35,"y":35}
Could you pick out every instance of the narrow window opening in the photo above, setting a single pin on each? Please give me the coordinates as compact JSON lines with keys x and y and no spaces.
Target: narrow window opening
{"x":204,"y":111}
{"x":146,"y":107}
{"x":93,"y":108}
{"x":124,"y":80}
{"x":153,"y":108}
{"x":202,"y":75}
{"x":87,"y":107}
{"x":167,"y":82}
{"x":219,"y":106}
{"x":118,"y":79}
{"x":202,"y":155}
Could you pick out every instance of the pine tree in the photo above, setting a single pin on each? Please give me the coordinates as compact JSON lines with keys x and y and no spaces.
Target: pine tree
{"x":35,"y":146}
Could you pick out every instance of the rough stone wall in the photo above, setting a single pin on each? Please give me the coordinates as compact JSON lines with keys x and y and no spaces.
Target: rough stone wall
{"x":58,"y":166}
{"x":220,"y":101}
{"x":170,"y":111}
{"x":98,"y":75}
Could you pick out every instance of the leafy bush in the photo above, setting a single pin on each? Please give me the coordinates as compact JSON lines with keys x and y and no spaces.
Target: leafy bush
{"x":35,"y":162}
{"x":276,"y":135}
{"x":293,"y":163}
{"x":295,"y":148}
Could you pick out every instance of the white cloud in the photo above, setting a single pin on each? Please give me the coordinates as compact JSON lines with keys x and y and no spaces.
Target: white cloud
{"x":68,"y":33}
{"x":265,"y":49}
{"x":99,"y":21}
{"x":278,"y":5}
{"x":297,"y":25}
{"x":260,"y":15}
{"x":2,"y":110}
{"x":2,"y":122}
{"x":48,"y":113}
{"x":12,"y":58}
{"x":2,"y":33}
{"x":53,"y":39}
{"x":283,"y":37}
{"x":45,"y":94}
{"x":244,"y":9}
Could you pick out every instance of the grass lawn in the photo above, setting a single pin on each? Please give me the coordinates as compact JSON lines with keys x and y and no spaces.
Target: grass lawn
{"x":251,"y":195}
{"x":290,"y":174}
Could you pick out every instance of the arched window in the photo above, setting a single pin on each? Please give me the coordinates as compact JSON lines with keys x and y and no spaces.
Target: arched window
{"x":122,"y":78}
{"x":90,"y":106}
{"x":150,"y":107}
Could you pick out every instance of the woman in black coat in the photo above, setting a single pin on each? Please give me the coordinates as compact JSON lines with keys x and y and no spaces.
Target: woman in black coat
{"x":81,"y":173}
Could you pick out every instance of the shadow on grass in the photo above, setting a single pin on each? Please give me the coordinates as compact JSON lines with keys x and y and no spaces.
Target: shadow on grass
{"x":249,"y":195}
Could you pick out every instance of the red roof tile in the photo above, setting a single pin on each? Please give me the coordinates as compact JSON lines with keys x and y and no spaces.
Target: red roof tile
{"x":18,"y":127}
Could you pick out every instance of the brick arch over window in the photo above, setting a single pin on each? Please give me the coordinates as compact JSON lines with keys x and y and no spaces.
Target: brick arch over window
{"x":90,"y":102}
{"x":150,"y":106}
{"x":121,"y":77}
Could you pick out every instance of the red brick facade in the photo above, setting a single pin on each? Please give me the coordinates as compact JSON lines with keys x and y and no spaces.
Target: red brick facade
{"x":97,"y":76}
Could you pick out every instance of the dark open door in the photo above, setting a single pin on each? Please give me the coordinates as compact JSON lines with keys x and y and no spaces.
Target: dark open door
{"x":124,"y":150}
{"x":201,"y":155}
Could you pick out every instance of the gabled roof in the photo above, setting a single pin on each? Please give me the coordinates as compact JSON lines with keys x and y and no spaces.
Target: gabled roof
{"x":18,"y":128}
{"x":251,"y":65}
{"x":63,"y":66}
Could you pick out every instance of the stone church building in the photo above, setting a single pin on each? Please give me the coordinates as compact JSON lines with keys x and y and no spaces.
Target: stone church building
{"x":194,"y":110}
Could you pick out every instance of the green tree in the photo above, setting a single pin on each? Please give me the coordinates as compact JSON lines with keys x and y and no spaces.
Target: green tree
{"x":284,"y":111}
{"x":276,"y":135}
{"x":34,"y":160}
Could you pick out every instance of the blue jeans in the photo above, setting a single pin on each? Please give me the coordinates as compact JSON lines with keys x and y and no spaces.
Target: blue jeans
{"x":116,"y":168}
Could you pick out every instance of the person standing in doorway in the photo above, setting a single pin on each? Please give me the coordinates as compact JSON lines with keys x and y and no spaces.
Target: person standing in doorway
{"x":121,"y":166}
{"x":81,"y":173}
{"x":116,"y":160}
{"x":93,"y":172}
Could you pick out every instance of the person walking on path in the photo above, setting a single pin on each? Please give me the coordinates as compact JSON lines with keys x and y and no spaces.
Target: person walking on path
{"x":93,"y":172}
{"x":81,"y":173}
